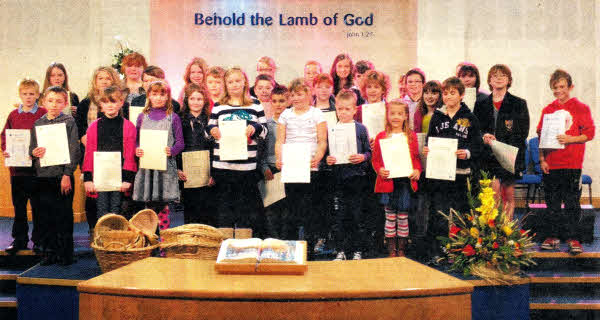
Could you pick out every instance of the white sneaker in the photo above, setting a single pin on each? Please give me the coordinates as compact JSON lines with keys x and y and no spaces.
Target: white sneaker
{"x":357,"y":255}
{"x":340,"y":256}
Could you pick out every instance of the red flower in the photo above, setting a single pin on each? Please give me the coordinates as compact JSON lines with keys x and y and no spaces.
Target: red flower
{"x":454,"y":230}
{"x":517,"y":245}
{"x":522,"y":231}
{"x":492,"y":223}
{"x":468,"y":250}
{"x":517,"y":253}
{"x":495,"y":245}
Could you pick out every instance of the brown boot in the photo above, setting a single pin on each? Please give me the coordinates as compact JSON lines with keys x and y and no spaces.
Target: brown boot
{"x":402,"y":242}
{"x":391,"y":245}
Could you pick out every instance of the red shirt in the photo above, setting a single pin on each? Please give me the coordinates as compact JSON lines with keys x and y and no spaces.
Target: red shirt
{"x":497,"y":104}
{"x":571,"y":157}
{"x":23,"y":120}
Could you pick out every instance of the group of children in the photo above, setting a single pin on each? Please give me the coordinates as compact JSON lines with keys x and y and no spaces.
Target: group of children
{"x":355,"y":204}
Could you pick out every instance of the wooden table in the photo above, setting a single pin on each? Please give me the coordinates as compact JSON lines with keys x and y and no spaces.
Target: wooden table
{"x":391,"y":288}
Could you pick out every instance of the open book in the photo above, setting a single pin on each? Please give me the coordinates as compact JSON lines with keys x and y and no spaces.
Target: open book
{"x":261,"y":251}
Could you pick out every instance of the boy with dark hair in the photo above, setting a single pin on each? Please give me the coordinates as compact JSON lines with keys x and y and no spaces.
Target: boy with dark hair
{"x":562,"y":167}
{"x":360,"y":68}
{"x":54,"y":183}
{"x":151,"y":74}
{"x":22,"y":178}
{"x":453,"y":120}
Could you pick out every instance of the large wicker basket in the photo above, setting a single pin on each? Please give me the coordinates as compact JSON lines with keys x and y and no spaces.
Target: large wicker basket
{"x":110,"y":259}
{"x":192,"y":241}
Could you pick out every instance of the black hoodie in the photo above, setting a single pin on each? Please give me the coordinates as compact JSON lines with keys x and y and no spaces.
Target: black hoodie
{"x":464,"y":126}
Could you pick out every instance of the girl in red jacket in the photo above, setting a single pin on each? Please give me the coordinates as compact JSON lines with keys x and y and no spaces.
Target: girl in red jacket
{"x":396,"y":191}
{"x":110,"y":133}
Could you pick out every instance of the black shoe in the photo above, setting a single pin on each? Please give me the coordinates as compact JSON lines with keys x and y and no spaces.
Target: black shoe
{"x":16,"y":246}
{"x":48,"y":259}
{"x":37,"y":249}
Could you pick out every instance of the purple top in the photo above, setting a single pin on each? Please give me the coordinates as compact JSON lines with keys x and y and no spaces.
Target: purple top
{"x":159,"y":114}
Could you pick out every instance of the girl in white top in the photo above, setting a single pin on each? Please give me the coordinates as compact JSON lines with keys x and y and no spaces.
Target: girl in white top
{"x":302,"y":124}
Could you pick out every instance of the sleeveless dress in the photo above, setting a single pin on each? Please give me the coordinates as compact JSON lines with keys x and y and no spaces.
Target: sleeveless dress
{"x":155,"y":185}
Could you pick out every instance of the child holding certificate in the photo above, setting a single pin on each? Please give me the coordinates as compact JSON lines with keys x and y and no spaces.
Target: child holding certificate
{"x":350,"y":183}
{"x":54,"y":183}
{"x":110,"y":133}
{"x":198,"y":201}
{"x":22,"y":178}
{"x":263,"y":85}
{"x":396,"y":191}
{"x":88,"y":111}
{"x":562,"y":167}
{"x":454,"y":121}
{"x":152,"y":186}
{"x":56,"y":75}
{"x":195,"y":72}
{"x":432,"y":100}
{"x":236,"y":180}
{"x":303,"y":124}
{"x":375,"y":87}
{"x":342,"y":73}
{"x":322,"y":87}
{"x":505,"y":118}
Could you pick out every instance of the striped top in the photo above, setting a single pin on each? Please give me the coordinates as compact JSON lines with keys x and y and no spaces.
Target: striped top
{"x":255,"y":116}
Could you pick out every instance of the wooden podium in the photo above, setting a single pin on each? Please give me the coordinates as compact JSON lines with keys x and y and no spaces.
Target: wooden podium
{"x":161,"y":288}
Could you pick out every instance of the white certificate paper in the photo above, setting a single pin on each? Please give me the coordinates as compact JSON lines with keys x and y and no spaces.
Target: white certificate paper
{"x":296,"y":162}
{"x":505,"y":154}
{"x":196,"y":168}
{"x":271,"y":190}
{"x":53,"y":137}
{"x":342,"y":142}
{"x":154,"y":142}
{"x":330,"y":118}
{"x":396,"y":156}
{"x":441,"y":159}
{"x":554,"y":124}
{"x":107,"y":171}
{"x":233,"y":144}
{"x":470,"y":98}
{"x":373,"y":117}
{"x":134,"y":112}
{"x":17,"y":146}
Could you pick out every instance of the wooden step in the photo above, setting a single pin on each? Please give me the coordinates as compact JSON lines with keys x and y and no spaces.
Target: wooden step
{"x":564,"y":303}
{"x":564,"y":276}
{"x":8,"y":300}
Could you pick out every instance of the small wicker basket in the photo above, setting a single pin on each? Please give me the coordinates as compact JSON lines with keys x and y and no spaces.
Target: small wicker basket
{"x":110,"y":259}
{"x":192,"y":241}
{"x":119,"y":239}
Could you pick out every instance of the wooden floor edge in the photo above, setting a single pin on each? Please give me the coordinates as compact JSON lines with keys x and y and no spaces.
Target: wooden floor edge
{"x":48,"y":281}
{"x":4,"y":277}
{"x":564,"y":306}
{"x":563,"y":255}
{"x":485,"y":283}
{"x":27,"y":252}
{"x":565,"y":280}
{"x":8,"y":304}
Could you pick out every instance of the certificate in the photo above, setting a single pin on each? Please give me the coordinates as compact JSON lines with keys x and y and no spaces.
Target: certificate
{"x":342,"y":142}
{"x":271,"y":190}
{"x":470,"y":98}
{"x":17,"y":146}
{"x":553,"y":125}
{"x":441,"y":159}
{"x":196,"y":168}
{"x":373,"y":117}
{"x":233,"y":144}
{"x":53,"y":137}
{"x":107,"y":171}
{"x":331,"y":118}
{"x":396,"y":156}
{"x":505,"y":154}
{"x":153,"y":142}
{"x":421,"y":140}
{"x":134,"y":112}
{"x":296,"y":162}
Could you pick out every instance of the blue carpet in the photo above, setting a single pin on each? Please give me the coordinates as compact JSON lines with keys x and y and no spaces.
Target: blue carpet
{"x":83,"y":269}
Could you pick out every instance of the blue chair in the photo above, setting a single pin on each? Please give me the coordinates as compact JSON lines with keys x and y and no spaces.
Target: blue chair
{"x":532,"y":175}
{"x":587,"y":180}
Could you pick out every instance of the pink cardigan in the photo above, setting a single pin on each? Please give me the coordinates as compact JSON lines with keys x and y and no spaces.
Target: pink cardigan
{"x":129,"y":136}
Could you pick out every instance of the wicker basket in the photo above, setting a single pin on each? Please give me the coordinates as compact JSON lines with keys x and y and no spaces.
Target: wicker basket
{"x":119,"y":239}
{"x":110,"y":222}
{"x":192,"y":241}
{"x":110,"y":259}
{"x":145,"y":221}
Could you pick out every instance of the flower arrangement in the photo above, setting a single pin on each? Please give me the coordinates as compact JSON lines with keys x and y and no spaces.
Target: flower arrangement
{"x":120,"y":54}
{"x":484,"y":242}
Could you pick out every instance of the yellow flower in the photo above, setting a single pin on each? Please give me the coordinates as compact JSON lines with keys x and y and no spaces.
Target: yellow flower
{"x":474,"y":232}
{"x":507,"y":230}
{"x":494,"y":236}
{"x":485,"y":183}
